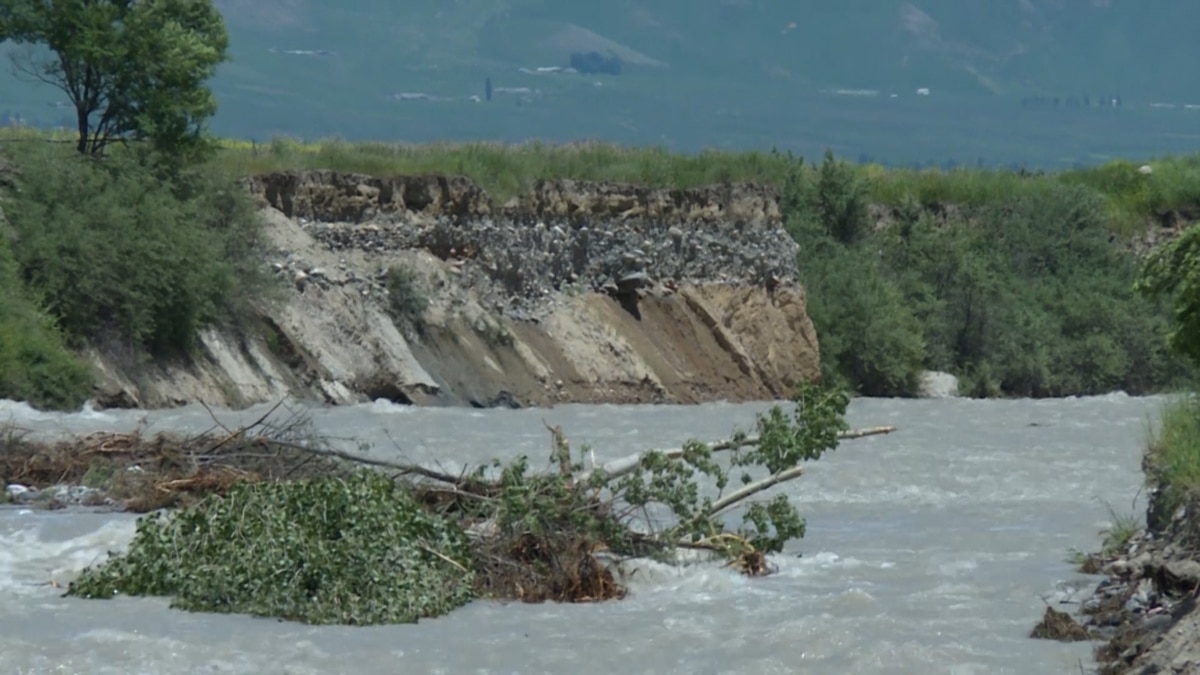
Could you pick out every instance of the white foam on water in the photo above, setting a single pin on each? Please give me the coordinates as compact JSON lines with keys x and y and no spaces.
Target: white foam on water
{"x":382,"y":406}
{"x":30,"y":565}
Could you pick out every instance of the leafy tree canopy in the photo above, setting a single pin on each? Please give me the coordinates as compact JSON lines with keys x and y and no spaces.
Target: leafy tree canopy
{"x":132,"y":69}
{"x":1174,"y":270}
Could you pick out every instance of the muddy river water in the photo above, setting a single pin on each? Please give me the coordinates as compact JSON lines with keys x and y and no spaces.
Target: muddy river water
{"x":931,"y":550}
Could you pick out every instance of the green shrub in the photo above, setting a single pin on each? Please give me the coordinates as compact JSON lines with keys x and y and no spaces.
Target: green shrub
{"x":132,"y":247}
{"x":870,"y":340}
{"x":838,"y":201}
{"x":1027,"y":295}
{"x":35,"y":365}
{"x":358,"y":550}
{"x":406,"y":300}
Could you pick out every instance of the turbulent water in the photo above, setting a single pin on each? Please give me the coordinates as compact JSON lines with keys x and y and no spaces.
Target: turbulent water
{"x":928,"y":551}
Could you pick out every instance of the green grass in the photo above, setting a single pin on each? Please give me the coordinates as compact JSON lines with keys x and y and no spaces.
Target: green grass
{"x":1173,"y":452}
{"x":505,"y":170}
{"x":1120,"y":531}
{"x":508,"y":169}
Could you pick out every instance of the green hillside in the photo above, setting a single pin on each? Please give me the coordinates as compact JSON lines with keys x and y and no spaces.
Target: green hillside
{"x":730,"y":74}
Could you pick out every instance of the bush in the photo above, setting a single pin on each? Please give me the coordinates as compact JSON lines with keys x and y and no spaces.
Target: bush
{"x":35,"y":365}
{"x":358,"y":550}
{"x":870,"y":340}
{"x":1027,"y":296}
{"x":132,"y":247}
{"x":406,"y":300}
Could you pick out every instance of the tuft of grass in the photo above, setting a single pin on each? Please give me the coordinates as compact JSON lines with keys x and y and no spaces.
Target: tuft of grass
{"x":1120,"y":531}
{"x":1173,"y":452}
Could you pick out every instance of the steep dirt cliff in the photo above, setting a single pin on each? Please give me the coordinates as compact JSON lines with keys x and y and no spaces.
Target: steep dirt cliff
{"x":572,"y":292}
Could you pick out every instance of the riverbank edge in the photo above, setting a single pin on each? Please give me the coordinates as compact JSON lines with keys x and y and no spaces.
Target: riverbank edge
{"x":573,"y":292}
{"x":1145,"y":612}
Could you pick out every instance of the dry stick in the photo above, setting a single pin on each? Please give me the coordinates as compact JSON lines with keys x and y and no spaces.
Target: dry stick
{"x":625,"y":465}
{"x":425,"y":548}
{"x":371,"y":461}
{"x":240,"y":430}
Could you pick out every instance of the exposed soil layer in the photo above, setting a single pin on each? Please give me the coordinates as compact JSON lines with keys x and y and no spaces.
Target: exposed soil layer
{"x":573,"y":292}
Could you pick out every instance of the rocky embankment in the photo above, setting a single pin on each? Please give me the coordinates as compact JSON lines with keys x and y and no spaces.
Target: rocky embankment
{"x":1144,"y":613}
{"x":572,"y":292}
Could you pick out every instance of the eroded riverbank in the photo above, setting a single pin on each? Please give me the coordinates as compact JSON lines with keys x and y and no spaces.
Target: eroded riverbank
{"x":574,"y":292}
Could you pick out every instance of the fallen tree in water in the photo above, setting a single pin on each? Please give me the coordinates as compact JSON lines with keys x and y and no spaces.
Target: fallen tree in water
{"x":345,"y":544}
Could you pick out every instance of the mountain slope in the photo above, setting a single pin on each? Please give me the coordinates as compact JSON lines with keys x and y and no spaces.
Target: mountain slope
{"x":723,"y":73}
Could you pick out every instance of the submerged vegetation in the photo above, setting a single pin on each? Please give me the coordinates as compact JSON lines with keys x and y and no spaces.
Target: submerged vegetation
{"x":276,"y":522}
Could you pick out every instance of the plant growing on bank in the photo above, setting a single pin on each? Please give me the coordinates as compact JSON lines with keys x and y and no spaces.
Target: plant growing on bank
{"x":1173,"y":271}
{"x":1026,"y":296}
{"x":135,"y":248}
{"x":35,"y":365}
{"x":406,"y":299}
{"x":131,"y":70}
{"x":369,"y":549}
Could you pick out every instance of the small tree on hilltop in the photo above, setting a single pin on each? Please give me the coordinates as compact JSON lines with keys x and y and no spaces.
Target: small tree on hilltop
{"x":133,"y":69}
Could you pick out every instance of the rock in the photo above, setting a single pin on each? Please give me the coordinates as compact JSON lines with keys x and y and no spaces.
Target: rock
{"x":1138,"y":563}
{"x":1056,"y":625}
{"x":935,"y":384}
{"x":505,"y":399}
{"x":633,"y":282}
{"x":1116,"y":568}
{"x":16,"y":491}
{"x":1183,"y":573}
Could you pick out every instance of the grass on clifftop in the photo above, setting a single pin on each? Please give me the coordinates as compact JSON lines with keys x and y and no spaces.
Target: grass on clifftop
{"x":508,"y":169}
{"x":505,"y":170}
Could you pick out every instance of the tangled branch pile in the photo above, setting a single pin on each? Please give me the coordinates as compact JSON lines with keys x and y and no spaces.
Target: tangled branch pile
{"x":361,"y":547}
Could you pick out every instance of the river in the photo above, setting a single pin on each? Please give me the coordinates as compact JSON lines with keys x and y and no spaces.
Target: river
{"x":929,"y":550}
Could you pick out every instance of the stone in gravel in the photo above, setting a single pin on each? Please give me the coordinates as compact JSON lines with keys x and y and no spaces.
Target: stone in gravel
{"x":15,"y":490}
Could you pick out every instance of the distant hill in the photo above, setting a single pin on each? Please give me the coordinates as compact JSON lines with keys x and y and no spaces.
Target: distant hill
{"x":800,"y":74}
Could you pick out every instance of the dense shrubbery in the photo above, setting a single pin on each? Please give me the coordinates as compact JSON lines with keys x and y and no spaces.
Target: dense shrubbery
{"x":129,"y":247}
{"x":1025,"y":296}
{"x":35,"y":365}
{"x":132,"y":248}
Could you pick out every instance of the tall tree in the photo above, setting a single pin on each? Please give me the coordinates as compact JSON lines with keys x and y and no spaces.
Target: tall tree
{"x":133,"y":69}
{"x":1173,"y":271}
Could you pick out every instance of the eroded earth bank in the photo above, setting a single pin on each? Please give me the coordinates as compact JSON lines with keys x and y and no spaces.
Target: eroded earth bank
{"x":571,"y":292}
